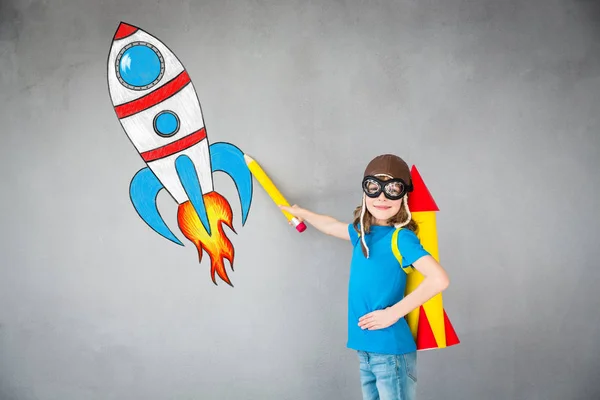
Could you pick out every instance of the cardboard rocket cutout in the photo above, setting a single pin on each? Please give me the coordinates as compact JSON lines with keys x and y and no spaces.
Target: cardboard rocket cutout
{"x":157,"y":106}
{"x":429,"y":323}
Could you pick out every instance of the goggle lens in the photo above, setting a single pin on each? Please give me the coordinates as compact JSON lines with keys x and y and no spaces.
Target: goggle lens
{"x":371,"y":187}
{"x":394,"y":189}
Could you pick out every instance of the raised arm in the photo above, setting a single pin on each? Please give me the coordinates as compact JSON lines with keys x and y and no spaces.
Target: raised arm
{"x":323,"y":223}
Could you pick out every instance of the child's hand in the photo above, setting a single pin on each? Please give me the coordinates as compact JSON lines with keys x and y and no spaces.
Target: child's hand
{"x":294,"y":210}
{"x":379,"y":319}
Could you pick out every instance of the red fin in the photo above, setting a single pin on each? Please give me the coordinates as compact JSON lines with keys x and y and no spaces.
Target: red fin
{"x":451,"y":336}
{"x":425,"y":337}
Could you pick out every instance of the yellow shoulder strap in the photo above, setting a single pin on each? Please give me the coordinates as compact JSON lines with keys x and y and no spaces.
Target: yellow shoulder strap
{"x":396,"y":251}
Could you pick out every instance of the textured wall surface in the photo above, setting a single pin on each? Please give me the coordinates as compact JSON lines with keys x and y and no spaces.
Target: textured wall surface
{"x":496,"y":102}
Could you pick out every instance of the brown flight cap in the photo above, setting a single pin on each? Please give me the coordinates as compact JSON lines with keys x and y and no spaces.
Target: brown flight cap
{"x":389,"y":164}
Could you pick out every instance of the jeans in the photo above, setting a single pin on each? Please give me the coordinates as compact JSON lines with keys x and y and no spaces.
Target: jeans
{"x":388,"y":376}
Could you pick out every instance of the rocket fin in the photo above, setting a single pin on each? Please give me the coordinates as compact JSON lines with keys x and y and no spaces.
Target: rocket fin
{"x":425,"y":338}
{"x":143,"y":191}
{"x":189,"y":180}
{"x":226,"y":157}
{"x":451,"y":336}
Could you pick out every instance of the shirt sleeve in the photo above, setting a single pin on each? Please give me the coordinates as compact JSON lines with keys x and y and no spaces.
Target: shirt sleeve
{"x":353,"y":234}
{"x":410,"y":247}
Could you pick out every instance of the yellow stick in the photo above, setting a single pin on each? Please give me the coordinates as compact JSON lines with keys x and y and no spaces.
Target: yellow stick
{"x":272,"y":191}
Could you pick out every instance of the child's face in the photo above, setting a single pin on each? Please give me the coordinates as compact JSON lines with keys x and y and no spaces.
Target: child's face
{"x":383,"y":208}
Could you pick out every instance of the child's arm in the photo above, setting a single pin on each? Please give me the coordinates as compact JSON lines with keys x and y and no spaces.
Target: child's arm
{"x":323,"y":223}
{"x":435,"y":281}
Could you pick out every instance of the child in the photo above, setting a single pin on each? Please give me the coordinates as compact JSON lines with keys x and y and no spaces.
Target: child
{"x":377,"y":329}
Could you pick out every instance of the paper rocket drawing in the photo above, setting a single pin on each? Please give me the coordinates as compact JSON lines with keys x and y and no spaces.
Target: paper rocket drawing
{"x":429,"y":323}
{"x":158,"y":108}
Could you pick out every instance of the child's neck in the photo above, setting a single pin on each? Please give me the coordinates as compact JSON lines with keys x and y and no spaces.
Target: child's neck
{"x":379,"y":222}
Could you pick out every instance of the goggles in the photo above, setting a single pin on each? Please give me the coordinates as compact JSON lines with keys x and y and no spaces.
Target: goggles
{"x":393,"y":189}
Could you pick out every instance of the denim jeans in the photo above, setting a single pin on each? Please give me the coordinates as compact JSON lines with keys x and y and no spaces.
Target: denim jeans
{"x":388,"y":376}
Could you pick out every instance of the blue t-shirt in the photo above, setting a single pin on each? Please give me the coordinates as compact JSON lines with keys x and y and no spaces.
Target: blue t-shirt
{"x":377,"y":283}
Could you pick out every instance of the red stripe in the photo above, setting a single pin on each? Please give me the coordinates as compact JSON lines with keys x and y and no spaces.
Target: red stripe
{"x":124,"y":30}
{"x":175,"y":147}
{"x":162,"y":93}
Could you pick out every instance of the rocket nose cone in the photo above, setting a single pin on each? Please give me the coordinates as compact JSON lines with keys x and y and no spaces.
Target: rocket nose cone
{"x":124,"y":30}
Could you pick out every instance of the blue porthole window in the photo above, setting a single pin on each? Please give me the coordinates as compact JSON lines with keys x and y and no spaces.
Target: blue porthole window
{"x":139,"y":66}
{"x":166,"y":123}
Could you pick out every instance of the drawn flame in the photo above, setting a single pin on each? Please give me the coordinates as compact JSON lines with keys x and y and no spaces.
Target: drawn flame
{"x":218,"y":246}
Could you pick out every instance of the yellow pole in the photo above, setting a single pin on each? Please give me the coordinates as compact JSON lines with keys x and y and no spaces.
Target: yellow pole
{"x":272,"y":191}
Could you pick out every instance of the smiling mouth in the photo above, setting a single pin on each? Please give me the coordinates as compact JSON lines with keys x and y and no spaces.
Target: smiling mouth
{"x":382,"y":207}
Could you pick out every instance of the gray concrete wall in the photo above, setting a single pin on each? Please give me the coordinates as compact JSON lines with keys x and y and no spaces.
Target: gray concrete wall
{"x":496,"y":102}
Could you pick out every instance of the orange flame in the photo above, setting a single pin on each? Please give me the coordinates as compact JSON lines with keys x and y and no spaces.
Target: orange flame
{"x":216,"y":245}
